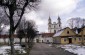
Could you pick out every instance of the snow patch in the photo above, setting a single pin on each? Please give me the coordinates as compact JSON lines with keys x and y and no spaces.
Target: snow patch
{"x":79,"y":50}
{"x":3,"y":49}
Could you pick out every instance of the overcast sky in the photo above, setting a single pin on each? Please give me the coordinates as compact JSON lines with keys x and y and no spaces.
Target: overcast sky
{"x":64,"y":8}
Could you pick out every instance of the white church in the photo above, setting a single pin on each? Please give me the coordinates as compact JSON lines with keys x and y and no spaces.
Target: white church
{"x":52,"y":29}
{"x":55,"y":26}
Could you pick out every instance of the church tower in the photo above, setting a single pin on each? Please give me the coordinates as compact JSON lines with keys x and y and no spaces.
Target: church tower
{"x":59,"y":22}
{"x":53,"y":27}
{"x":49,"y":24}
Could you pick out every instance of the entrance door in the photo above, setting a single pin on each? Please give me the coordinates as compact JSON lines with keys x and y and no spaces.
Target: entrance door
{"x":47,"y":41}
{"x":42,"y":41}
{"x":70,"y":40}
{"x":37,"y":40}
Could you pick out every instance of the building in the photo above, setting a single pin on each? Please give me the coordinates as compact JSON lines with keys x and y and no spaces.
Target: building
{"x":64,"y":36}
{"x":81,"y":34}
{"x":52,"y":28}
{"x":55,"y":26}
{"x":70,"y":36}
{"x":5,"y":39}
{"x":44,"y":38}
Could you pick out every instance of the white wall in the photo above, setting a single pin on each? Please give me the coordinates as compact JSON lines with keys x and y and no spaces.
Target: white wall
{"x":50,"y":39}
{"x":44,"y":39}
{"x":7,"y":40}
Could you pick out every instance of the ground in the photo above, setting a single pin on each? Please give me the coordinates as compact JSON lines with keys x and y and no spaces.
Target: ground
{"x":45,"y":49}
{"x":76,"y":49}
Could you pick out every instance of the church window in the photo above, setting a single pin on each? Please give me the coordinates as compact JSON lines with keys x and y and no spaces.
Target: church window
{"x":67,"y":32}
{"x":59,"y":25}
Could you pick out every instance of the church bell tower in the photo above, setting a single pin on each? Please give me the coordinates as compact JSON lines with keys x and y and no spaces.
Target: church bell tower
{"x":59,"y":22}
{"x":49,"y":24}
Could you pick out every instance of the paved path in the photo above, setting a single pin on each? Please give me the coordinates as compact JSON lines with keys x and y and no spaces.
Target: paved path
{"x":45,"y":49}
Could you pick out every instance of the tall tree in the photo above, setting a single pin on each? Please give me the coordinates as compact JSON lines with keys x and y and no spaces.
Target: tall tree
{"x":20,"y":30}
{"x":70,"y":22}
{"x":31,"y":32}
{"x":15,"y":9}
{"x":76,"y":22}
{"x":20,"y":34}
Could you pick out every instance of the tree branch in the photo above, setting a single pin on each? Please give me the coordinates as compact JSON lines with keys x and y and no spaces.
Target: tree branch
{"x":4,"y":4}
{"x":6,"y":12}
{"x":23,"y":9}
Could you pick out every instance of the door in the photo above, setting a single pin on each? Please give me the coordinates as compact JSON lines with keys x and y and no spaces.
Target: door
{"x":42,"y":41}
{"x":47,"y":41}
{"x":37,"y":40}
{"x":70,"y":40}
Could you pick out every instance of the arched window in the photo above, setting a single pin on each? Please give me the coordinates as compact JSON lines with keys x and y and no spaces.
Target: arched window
{"x":59,"y":25}
{"x":67,"y":32}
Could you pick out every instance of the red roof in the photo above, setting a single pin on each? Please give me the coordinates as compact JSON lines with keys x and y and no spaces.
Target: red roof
{"x":47,"y":34}
{"x":6,"y":36}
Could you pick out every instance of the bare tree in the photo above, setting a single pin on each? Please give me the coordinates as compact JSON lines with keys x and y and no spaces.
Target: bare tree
{"x":3,"y":22}
{"x":31,"y":33}
{"x":1,"y":32}
{"x":76,"y":22}
{"x":20,"y":34}
{"x":20,"y":30}
{"x":70,"y":22}
{"x":13,"y":7}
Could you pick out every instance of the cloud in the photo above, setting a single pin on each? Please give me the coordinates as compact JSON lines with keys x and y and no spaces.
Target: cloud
{"x":33,"y":16}
{"x":40,"y":21}
{"x":54,"y":7}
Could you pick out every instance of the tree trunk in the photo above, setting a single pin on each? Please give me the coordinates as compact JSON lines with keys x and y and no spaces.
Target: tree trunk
{"x":20,"y":41}
{"x":12,"y":44}
{"x":11,"y":40}
{"x":29,"y":42}
{"x":4,"y":41}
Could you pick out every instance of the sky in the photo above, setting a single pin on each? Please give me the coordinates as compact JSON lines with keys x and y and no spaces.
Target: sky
{"x":66,"y":9}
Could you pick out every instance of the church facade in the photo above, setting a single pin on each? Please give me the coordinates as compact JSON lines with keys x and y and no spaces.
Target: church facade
{"x":55,"y":26}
